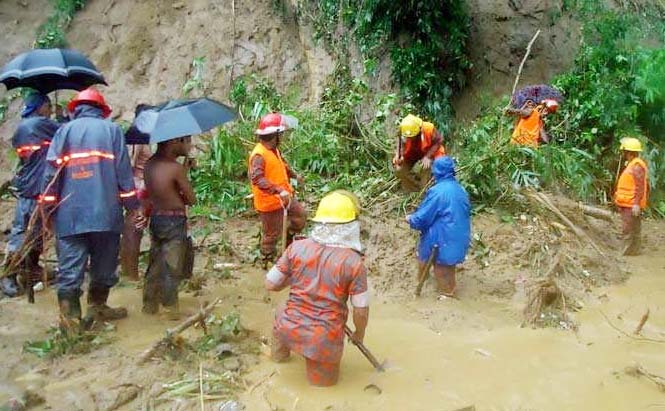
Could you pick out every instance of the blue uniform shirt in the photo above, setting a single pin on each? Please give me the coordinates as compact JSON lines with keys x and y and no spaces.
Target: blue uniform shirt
{"x":95,"y":178}
{"x":31,"y":141}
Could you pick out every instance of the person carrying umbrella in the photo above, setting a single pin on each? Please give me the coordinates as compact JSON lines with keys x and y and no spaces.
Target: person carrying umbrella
{"x":31,"y":141}
{"x":418,"y":140}
{"x":269,"y":176}
{"x":88,"y":179}
{"x":322,"y":272}
{"x":444,"y":220}
{"x":632,"y":195}
{"x":169,"y":194}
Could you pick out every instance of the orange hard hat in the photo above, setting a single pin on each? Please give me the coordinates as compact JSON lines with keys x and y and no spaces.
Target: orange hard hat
{"x":551,"y":104}
{"x":90,"y":96}
{"x":275,"y":123}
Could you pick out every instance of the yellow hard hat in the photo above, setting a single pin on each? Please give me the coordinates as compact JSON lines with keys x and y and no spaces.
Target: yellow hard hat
{"x":335,"y":208}
{"x":410,"y":126}
{"x":354,"y":198}
{"x":631,"y":144}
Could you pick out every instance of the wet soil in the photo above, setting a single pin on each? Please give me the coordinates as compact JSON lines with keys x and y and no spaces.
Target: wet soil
{"x":441,"y":354}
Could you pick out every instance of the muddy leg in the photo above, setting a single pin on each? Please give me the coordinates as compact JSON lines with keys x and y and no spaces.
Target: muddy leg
{"x":271,"y":223}
{"x":322,"y":374}
{"x":445,"y":279}
{"x":297,"y":218}
{"x":631,"y":232}
{"x":130,"y":250}
{"x":151,"y":280}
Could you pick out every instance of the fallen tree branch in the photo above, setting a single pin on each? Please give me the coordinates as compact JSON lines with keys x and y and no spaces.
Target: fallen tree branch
{"x":526,"y":56}
{"x":581,"y":234}
{"x":597,"y":212}
{"x":631,"y":336}
{"x":172,"y":332}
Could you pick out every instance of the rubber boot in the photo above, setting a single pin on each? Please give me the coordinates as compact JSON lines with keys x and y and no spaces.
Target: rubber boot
{"x":70,"y":312}
{"x":9,"y":286}
{"x":97,"y":308}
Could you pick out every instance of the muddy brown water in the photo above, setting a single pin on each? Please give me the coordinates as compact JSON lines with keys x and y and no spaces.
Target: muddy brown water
{"x":443,"y":355}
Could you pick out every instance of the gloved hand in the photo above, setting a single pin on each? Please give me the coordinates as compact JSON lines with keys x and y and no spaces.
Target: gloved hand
{"x":636,"y":210}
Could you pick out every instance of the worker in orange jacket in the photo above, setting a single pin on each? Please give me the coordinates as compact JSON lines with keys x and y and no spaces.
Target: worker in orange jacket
{"x":271,"y":187}
{"x":418,"y":141}
{"x":530,"y":128}
{"x":631,"y":195}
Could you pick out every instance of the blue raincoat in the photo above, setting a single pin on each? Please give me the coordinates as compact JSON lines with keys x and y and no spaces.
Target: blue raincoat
{"x":96,"y":178}
{"x":31,"y":140}
{"x":444,"y":217}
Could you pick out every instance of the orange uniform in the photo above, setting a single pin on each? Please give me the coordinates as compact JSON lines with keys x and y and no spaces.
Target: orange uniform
{"x":527,"y":130}
{"x":416,"y":148}
{"x":633,"y":185}
{"x":276,"y":172}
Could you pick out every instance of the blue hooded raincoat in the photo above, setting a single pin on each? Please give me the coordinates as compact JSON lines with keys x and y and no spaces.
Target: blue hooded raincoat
{"x":444,"y":217}
{"x":31,"y":141}
{"x":96,"y":179}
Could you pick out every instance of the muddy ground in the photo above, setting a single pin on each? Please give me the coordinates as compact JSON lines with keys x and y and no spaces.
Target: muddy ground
{"x":443,"y":355}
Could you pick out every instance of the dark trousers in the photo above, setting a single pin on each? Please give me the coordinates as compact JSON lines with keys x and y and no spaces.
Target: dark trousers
{"x":631,"y":232}
{"x":24,"y":246}
{"x":170,"y":261}
{"x":100,"y":249}
{"x":271,"y":223}
{"x":130,"y":249}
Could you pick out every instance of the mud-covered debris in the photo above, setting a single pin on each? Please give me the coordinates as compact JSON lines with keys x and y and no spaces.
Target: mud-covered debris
{"x":224,"y":350}
{"x":231,"y":364}
{"x":373,"y":389}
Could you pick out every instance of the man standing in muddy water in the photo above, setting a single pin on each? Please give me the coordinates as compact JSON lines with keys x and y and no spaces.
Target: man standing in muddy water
{"x":169,"y":194}
{"x":88,"y":179}
{"x":632,"y":194}
{"x":272,"y":191}
{"x":444,"y":220}
{"x":322,"y":272}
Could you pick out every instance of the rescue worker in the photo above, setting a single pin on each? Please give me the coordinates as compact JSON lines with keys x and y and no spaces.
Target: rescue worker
{"x":171,"y":251}
{"x":443,"y":219}
{"x":418,"y":140}
{"x":529,"y":127}
{"x":271,"y":188}
{"x":31,"y":141}
{"x":130,"y":245}
{"x":92,"y":179}
{"x":632,"y":194}
{"x":322,"y":272}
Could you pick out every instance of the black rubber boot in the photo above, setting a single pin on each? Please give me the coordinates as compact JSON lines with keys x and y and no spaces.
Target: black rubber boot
{"x":70,"y":312}
{"x":9,"y":286}
{"x":97,"y":308}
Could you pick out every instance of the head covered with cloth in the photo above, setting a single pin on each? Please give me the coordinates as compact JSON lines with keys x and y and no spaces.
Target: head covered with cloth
{"x":323,"y":272}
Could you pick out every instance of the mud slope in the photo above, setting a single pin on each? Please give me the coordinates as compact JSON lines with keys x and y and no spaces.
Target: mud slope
{"x":146,"y":48}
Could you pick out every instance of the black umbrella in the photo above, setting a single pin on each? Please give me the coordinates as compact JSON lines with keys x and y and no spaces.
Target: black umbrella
{"x":177,"y":118}
{"x":47,"y":70}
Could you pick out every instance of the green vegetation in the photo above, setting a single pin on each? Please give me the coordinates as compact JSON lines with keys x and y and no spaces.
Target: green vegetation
{"x":52,"y":33}
{"x":614,"y":89}
{"x":426,"y":42}
{"x":59,"y":343}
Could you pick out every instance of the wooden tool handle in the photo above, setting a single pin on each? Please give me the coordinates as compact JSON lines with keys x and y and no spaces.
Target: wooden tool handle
{"x":424,"y":273}
{"x":370,"y":357}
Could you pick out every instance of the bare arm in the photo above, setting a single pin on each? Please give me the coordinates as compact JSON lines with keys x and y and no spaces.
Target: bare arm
{"x":360,"y":320}
{"x":185,"y":187}
{"x":437,"y":142}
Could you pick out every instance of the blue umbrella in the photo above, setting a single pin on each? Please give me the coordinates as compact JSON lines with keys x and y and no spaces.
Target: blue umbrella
{"x":177,"y":118}
{"x":47,"y":70}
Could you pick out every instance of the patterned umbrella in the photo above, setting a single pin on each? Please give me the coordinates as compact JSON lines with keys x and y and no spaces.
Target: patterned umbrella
{"x":47,"y":70}
{"x":536,"y":93}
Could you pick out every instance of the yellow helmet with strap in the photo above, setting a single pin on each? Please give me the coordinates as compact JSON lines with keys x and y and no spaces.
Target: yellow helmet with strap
{"x":336,"y":208}
{"x":410,"y":126}
{"x":631,"y":144}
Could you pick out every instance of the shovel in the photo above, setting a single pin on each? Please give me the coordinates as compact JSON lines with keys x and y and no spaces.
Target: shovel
{"x":381,"y":367}
{"x":424,"y":273}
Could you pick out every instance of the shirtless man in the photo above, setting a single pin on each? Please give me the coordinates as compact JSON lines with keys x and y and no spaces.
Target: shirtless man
{"x":171,"y":254}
